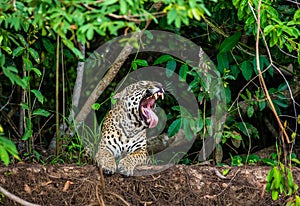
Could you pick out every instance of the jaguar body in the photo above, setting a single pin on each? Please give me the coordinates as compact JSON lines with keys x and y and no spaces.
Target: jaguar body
{"x":123,"y":134}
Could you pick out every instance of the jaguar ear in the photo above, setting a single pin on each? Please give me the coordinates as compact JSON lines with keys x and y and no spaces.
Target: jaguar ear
{"x":120,"y":94}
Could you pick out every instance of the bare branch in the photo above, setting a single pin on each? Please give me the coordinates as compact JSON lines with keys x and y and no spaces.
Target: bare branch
{"x":109,"y":76}
{"x":15,"y":198}
{"x":78,"y":82}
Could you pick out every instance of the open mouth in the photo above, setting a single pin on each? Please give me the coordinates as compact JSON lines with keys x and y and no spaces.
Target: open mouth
{"x":147,"y":106}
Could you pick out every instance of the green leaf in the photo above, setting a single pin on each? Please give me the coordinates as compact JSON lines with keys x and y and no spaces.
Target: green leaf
{"x":171,"y":16}
{"x":225,"y":172}
{"x":134,"y":65}
{"x":268,"y":29}
{"x":200,"y":124}
{"x":12,"y":69}
{"x":272,"y":11}
{"x":2,"y":59}
{"x":230,"y":42}
{"x":28,"y":133}
{"x":275,"y":194}
{"x":247,"y":70}
{"x":223,"y":63}
{"x":96,"y":106}
{"x":18,"y":51}
{"x":235,"y":71}
{"x":174,"y":127}
{"x":250,"y":111}
{"x":282,"y":87}
{"x":41,"y":112}
{"x":297,"y":198}
{"x":290,"y":178}
{"x":4,"y":155}
{"x":10,"y":147}
{"x":171,"y":66}
{"x":269,"y":162}
{"x":141,"y":62}
{"x":148,"y":34}
{"x":262,"y":104}
{"x":196,"y":13}
{"x":27,"y":63}
{"x":34,"y":54}
{"x":22,"y":40}
{"x":36,"y":71}
{"x":123,"y":6}
{"x":163,"y":59}
{"x":90,"y":33}
{"x":37,"y":155}
{"x":274,"y":38}
{"x":227,"y":94}
{"x":187,"y":129}
{"x":71,"y":46}
{"x":295,"y":160}
{"x":183,"y":71}
{"x":110,"y":2}
{"x":277,"y":178}
{"x":38,"y":95}
{"x":48,"y":45}
{"x":24,"y":106}
{"x":281,"y":103}
{"x":270,"y":174}
{"x":10,"y":72}
{"x":7,"y":49}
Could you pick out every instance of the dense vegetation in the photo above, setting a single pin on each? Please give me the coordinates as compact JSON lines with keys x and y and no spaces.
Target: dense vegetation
{"x":42,"y":44}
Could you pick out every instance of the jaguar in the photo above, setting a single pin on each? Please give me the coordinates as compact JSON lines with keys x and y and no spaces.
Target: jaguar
{"x":123,"y":132}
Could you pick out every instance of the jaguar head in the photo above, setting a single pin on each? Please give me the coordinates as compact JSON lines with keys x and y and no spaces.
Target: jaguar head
{"x":140,"y":100}
{"x":148,"y":103}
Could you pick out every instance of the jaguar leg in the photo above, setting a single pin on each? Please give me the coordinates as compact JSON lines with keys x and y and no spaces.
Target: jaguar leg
{"x":127,"y":165}
{"x":106,"y":160}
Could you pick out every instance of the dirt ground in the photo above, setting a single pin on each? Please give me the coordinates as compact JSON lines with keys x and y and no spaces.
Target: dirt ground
{"x":179,"y":185}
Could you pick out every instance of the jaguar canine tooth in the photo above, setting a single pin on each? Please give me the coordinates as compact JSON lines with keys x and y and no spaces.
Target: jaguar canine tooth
{"x":161,"y":94}
{"x":155,"y":96}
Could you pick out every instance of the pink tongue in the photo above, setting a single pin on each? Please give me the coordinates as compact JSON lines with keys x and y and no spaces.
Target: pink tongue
{"x":152,"y":116}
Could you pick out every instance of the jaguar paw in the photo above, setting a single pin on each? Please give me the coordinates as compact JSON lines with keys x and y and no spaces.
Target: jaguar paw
{"x":107,"y":162}
{"x":125,"y":168}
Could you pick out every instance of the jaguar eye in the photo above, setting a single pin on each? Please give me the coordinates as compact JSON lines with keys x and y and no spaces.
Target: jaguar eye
{"x":148,"y":93}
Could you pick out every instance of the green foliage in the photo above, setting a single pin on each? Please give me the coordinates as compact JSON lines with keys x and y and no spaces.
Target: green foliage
{"x":181,"y":11}
{"x":29,"y":31}
{"x":7,"y":148}
{"x":230,"y":42}
{"x":138,"y":62}
{"x":280,"y":180}
{"x":279,"y":23}
{"x":238,"y":160}
{"x":294,"y":201}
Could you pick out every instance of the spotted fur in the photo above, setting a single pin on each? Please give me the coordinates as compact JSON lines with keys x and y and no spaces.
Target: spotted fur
{"x":123,"y":132}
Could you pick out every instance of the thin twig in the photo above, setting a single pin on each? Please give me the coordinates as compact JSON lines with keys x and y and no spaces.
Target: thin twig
{"x":261,"y":79}
{"x":15,"y":198}
{"x":263,"y":84}
{"x":119,"y":197}
{"x":294,"y":2}
{"x":9,"y":98}
{"x":58,"y":145}
{"x":100,"y":199}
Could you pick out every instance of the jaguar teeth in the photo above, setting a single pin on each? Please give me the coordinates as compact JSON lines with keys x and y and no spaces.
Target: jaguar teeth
{"x":161,"y":94}
{"x":143,"y":111}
